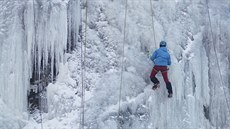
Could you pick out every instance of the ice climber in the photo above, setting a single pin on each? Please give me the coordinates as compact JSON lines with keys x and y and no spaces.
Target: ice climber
{"x":161,"y":60}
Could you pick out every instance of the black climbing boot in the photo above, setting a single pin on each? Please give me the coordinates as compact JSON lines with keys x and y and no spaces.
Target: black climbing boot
{"x":170,"y":95}
{"x":169,"y":87}
{"x":157,"y":85}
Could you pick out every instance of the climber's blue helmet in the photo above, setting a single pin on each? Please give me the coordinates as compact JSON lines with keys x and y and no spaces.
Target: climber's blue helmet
{"x":163,"y":44}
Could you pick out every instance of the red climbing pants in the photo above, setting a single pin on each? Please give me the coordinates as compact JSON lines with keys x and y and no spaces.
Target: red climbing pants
{"x":164,"y":73}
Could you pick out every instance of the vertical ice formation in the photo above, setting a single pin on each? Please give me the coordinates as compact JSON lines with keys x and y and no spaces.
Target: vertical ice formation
{"x":199,"y":100}
{"x":216,"y":40}
{"x":14,"y":63}
{"x":35,"y":34}
{"x":51,"y":29}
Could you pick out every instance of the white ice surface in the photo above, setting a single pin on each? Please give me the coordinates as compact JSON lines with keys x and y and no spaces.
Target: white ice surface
{"x":194,"y":72}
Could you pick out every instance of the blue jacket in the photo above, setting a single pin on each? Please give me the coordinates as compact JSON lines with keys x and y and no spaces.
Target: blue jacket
{"x":161,"y":57}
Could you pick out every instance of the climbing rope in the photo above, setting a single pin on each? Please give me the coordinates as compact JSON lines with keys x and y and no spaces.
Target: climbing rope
{"x":83,"y":59}
{"x":40,"y":104}
{"x":122,"y":65}
{"x":153,"y":28}
{"x":218,"y":64}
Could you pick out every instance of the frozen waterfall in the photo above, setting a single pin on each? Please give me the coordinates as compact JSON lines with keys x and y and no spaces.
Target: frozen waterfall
{"x":41,"y":52}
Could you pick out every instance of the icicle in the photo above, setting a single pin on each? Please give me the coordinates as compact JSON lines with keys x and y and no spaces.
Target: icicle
{"x":33,"y":46}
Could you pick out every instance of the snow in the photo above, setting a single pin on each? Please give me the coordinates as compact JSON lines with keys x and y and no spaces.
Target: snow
{"x":33,"y":36}
{"x":199,"y":95}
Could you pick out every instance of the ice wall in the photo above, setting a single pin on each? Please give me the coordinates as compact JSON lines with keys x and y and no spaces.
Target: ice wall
{"x":14,"y":62}
{"x":35,"y":35}
{"x":216,"y":39}
{"x":199,"y":101}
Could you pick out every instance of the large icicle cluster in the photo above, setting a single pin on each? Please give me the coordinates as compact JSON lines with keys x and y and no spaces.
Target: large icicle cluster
{"x":35,"y":35}
{"x":51,"y":29}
